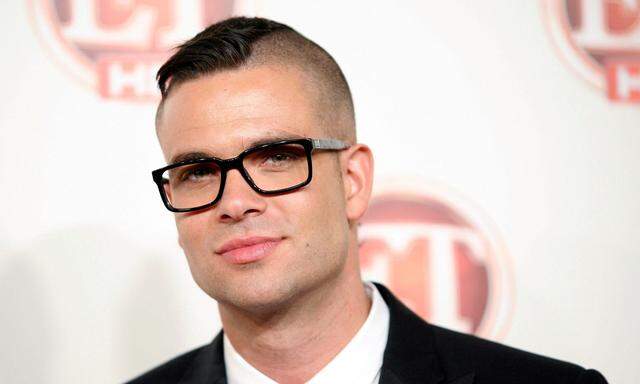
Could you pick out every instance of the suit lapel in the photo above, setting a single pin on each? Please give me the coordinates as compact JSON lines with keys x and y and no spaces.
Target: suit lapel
{"x":410,"y":355}
{"x":208,"y":365}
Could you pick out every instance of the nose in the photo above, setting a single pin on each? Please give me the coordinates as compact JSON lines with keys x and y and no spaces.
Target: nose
{"x":238,"y":200}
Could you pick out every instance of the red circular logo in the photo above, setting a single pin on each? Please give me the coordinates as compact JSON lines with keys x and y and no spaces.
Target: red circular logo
{"x":116,"y":46}
{"x":600,"y":39}
{"x":446,"y":266}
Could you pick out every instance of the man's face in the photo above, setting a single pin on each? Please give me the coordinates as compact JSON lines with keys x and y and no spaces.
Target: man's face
{"x":222,"y":115}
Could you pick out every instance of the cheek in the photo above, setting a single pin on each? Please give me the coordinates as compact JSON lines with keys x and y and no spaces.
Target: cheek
{"x":192,"y":232}
{"x":319,"y":210}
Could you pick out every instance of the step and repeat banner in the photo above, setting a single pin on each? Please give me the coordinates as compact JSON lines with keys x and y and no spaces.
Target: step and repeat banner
{"x":506,"y":136}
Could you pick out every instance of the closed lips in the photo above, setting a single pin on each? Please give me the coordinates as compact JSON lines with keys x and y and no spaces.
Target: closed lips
{"x":245,"y":242}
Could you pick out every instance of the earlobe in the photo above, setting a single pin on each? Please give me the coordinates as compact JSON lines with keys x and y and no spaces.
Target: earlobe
{"x":358,"y":179}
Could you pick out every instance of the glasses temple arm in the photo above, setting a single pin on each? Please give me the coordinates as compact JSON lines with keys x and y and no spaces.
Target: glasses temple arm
{"x":329,"y":144}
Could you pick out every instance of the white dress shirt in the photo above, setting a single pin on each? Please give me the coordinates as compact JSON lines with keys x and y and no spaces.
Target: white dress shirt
{"x":359,"y":362}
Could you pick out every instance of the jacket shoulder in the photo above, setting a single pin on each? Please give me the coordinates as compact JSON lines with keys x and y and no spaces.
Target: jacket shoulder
{"x":417,"y":350}
{"x":494,"y":362}
{"x":169,"y":372}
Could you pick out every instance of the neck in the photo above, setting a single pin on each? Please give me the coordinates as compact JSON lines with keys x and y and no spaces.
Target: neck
{"x":297,"y":342}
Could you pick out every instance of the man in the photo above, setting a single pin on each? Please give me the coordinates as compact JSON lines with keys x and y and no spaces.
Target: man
{"x":268,"y":182}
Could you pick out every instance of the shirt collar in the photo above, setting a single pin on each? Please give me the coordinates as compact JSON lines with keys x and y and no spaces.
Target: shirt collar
{"x":358,"y":362}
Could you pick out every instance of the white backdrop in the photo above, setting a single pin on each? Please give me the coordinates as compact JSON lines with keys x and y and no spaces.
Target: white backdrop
{"x":469,"y":96}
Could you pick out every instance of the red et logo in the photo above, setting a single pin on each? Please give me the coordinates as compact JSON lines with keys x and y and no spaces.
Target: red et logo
{"x":623,"y":81}
{"x":116,"y":46}
{"x":600,"y":39}
{"x":440,"y":260}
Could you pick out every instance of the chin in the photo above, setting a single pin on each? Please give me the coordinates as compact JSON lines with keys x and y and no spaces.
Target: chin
{"x":253,"y":296}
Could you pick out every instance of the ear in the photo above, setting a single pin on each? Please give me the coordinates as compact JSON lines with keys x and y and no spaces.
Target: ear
{"x":357,"y":176}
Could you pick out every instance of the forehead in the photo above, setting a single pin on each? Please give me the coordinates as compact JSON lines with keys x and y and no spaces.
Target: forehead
{"x":221,"y":114}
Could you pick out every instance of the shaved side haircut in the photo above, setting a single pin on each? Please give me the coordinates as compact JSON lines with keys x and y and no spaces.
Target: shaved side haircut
{"x":242,"y":42}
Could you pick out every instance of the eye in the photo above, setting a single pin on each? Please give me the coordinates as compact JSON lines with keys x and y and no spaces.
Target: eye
{"x":200,"y":172}
{"x":276,"y":158}
{"x":197,"y":173}
{"x":284,"y":152}
{"x":279,"y":157}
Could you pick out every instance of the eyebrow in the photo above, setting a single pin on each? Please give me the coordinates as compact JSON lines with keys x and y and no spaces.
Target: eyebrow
{"x":252,"y":143}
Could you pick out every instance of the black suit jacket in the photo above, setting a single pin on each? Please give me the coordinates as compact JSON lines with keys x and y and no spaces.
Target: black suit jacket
{"x":416,"y":352}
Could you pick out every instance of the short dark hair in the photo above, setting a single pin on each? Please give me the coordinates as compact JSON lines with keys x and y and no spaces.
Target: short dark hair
{"x":242,"y":41}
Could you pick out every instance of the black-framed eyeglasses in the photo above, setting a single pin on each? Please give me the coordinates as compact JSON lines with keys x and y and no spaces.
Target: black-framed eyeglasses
{"x":271,"y":168}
